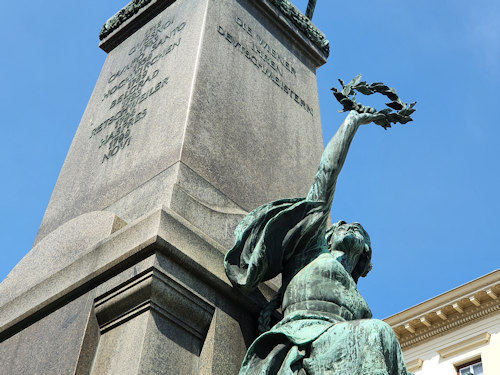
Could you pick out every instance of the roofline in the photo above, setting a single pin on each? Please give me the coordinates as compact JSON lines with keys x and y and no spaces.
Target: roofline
{"x":444,"y":299}
{"x":470,"y":302}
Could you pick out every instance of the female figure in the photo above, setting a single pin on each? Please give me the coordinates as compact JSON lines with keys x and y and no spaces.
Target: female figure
{"x":327,"y":326}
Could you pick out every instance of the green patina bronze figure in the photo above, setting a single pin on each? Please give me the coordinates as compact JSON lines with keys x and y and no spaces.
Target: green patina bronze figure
{"x":311,"y":5}
{"x":326,"y":326}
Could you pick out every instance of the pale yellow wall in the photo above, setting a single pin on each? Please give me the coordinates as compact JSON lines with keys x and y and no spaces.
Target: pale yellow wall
{"x":435,"y":364}
{"x":491,"y":355}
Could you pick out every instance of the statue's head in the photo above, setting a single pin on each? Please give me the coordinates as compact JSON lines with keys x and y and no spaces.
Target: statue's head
{"x":350,"y":243}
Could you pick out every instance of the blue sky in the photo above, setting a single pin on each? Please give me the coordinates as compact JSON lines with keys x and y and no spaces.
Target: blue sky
{"x":427,"y":192}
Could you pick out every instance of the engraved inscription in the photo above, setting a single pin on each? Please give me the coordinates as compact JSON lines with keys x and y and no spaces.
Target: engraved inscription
{"x":267,"y":52}
{"x":130,"y":87}
{"x":266,"y":58}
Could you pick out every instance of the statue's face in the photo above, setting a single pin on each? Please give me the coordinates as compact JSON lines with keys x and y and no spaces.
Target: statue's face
{"x":348,"y":237}
{"x":348,"y":242}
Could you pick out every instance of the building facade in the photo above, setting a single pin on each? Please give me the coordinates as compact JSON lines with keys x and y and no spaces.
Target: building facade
{"x":456,"y":333}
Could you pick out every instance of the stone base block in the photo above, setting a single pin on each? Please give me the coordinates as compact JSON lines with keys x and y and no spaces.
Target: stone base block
{"x":151,"y":298}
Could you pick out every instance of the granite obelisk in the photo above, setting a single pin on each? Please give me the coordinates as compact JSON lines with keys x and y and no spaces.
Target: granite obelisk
{"x":204,"y":109}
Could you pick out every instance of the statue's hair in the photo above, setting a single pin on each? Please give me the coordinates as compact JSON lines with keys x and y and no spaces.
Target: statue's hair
{"x":364,"y":263}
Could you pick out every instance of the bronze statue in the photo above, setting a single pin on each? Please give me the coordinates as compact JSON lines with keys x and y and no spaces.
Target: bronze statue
{"x":326,"y":326}
{"x":311,"y":5}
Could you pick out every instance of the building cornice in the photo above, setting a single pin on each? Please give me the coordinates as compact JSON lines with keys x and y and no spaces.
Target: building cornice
{"x":473,"y":301}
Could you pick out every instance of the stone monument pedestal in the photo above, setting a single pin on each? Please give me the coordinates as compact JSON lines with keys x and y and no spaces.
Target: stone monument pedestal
{"x":204,"y":110}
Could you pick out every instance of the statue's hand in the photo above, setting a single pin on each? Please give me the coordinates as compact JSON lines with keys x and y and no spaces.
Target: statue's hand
{"x":364,"y":118}
{"x":397,"y":111}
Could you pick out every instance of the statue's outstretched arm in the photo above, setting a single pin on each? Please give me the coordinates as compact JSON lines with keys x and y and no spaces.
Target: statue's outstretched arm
{"x":335,"y":153}
{"x":323,"y":187}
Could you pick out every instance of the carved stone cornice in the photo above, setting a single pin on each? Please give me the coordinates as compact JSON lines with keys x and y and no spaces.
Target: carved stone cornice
{"x":454,"y":323}
{"x":455,"y":309}
{"x":304,"y":24}
{"x":154,"y":290}
{"x":295,"y":16}
{"x":123,"y":15}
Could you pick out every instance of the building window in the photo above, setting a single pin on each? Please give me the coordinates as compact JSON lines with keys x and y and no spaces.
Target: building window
{"x":471,"y":368}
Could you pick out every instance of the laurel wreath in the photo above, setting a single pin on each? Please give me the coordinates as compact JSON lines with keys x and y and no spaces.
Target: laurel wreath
{"x":398,"y":112}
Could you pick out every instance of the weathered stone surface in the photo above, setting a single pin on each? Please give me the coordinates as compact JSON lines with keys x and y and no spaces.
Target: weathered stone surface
{"x":263,"y":116}
{"x":224,"y":345}
{"x":58,"y":250}
{"x":223,"y":88}
{"x":51,"y":345}
{"x":160,"y":260}
{"x":89,"y":346}
{"x":120,"y":351}
{"x":140,"y":98}
{"x":131,"y":242}
{"x":198,"y":116}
